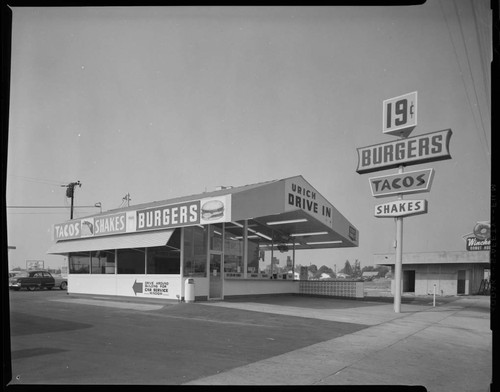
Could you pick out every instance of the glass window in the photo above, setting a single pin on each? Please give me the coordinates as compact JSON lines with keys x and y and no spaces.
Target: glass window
{"x":216,"y":237}
{"x":253,"y":255}
{"x":233,"y":255}
{"x":79,"y":263}
{"x":195,"y":251}
{"x":131,"y":261}
{"x":233,"y":250}
{"x":103,"y":262}
{"x":162,"y":260}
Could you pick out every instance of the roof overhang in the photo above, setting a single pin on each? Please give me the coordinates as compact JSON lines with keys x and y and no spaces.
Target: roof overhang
{"x":301,"y":230}
{"x":142,"y":240}
{"x":285,"y":212}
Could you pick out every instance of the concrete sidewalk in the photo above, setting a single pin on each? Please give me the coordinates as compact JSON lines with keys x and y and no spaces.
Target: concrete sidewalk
{"x":443,"y":348}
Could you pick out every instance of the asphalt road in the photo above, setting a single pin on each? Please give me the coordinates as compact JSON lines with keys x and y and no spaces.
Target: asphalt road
{"x":58,"y":338}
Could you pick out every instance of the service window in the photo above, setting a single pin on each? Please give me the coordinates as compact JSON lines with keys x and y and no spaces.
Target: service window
{"x":195,"y":251}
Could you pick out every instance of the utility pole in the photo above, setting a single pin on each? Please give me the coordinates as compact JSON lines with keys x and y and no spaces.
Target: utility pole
{"x":70,"y":193}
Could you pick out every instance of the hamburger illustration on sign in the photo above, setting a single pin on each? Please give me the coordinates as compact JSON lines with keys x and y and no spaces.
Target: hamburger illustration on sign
{"x":215,"y":210}
{"x":212,"y":209}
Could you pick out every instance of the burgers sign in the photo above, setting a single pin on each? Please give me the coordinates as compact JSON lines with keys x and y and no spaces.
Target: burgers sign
{"x":193,"y":212}
{"x":204,"y":211}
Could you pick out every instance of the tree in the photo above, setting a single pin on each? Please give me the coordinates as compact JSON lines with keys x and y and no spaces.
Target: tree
{"x":356,"y":271}
{"x":313,"y":268}
{"x":324,"y":270}
{"x":347,"y":268}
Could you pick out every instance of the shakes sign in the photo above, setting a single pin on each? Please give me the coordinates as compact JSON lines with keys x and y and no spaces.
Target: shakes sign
{"x":401,"y":208}
{"x":432,"y":146}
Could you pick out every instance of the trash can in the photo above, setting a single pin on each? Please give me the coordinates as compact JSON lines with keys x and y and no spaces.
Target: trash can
{"x":189,"y":290}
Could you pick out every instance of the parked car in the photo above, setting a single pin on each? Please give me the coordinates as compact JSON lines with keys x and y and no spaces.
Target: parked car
{"x":14,"y":273}
{"x":37,"y":279}
{"x":60,"y":282}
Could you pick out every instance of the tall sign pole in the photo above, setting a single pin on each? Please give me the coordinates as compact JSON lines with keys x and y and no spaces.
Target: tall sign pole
{"x":399,"y":119}
{"x":398,"y":267}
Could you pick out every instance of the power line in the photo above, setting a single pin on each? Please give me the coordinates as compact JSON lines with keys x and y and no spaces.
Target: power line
{"x":52,"y":206}
{"x":38,"y":180}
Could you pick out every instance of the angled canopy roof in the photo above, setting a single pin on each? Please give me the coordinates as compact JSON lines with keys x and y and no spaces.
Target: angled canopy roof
{"x":288,"y":211}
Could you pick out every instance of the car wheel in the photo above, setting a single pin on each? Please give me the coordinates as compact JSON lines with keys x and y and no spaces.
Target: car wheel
{"x":63,"y":286}
{"x":49,"y":287}
{"x":31,"y":288}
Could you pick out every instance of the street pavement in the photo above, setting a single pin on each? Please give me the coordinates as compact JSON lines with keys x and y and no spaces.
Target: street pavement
{"x":443,"y":348}
{"x":277,"y":340}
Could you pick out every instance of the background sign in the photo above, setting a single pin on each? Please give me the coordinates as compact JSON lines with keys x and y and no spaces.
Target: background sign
{"x":401,"y":208}
{"x":400,"y":115}
{"x":408,"y":182}
{"x":428,"y":147}
{"x":34,"y":264}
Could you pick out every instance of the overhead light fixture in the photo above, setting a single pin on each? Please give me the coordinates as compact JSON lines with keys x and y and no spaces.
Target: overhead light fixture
{"x":308,"y":234}
{"x":323,"y":242}
{"x":264,"y":236}
{"x":287,"y":221}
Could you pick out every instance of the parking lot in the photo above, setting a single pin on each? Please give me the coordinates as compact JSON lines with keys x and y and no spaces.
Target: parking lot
{"x":64,"y":339}
{"x":67,"y":339}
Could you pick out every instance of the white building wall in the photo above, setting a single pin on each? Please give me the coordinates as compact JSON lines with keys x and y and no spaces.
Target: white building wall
{"x":144,"y":286}
{"x":256,"y":287}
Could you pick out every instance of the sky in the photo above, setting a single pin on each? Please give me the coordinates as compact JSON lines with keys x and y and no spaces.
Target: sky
{"x":162,"y":102}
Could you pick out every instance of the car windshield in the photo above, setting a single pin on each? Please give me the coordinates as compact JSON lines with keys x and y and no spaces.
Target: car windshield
{"x":21,"y":275}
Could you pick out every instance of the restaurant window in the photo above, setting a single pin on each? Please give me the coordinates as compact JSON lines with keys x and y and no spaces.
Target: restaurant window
{"x":233,"y":255}
{"x":253,"y":255}
{"x":103,"y":262}
{"x":195,"y":251}
{"x":79,"y":263}
{"x":131,"y":261}
{"x":162,"y":260}
{"x":216,"y":237}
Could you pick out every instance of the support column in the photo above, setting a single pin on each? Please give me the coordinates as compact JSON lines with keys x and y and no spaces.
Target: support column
{"x":245,"y":248}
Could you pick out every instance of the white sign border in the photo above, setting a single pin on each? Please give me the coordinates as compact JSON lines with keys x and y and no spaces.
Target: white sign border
{"x":426,"y":189}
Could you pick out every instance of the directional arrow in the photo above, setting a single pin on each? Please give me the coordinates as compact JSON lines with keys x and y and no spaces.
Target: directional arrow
{"x":137,"y":287}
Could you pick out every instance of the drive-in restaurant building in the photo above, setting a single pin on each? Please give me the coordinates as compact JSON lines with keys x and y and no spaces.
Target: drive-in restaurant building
{"x":210,"y":245}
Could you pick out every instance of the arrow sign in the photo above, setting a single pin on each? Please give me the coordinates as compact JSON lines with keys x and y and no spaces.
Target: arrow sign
{"x":401,"y":208}
{"x":137,"y":287}
{"x":407,"y":182}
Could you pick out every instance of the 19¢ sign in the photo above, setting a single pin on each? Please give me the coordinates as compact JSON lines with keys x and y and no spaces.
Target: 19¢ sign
{"x":400,"y":115}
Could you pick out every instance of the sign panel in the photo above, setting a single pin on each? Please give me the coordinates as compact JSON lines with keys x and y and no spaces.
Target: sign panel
{"x":401,"y":208}
{"x":161,"y":286}
{"x":35,"y":264}
{"x":473,"y":244}
{"x":67,"y":230}
{"x":402,"y":183}
{"x":429,"y":147}
{"x":479,"y":239}
{"x":400,"y":115}
{"x":163,"y":217}
{"x":203,"y":211}
{"x":300,"y":195}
